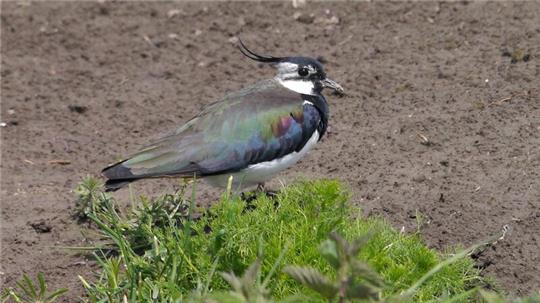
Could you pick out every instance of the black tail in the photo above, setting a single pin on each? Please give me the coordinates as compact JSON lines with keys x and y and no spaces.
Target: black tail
{"x":117,"y":176}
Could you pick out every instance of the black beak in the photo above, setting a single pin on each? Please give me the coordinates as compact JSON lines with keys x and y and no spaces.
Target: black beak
{"x":328,"y":83}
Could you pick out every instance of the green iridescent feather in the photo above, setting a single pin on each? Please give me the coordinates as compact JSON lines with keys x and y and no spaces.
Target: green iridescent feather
{"x":257,"y":124}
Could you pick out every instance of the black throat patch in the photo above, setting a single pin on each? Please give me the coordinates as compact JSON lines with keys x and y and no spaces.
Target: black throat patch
{"x":322,"y":107}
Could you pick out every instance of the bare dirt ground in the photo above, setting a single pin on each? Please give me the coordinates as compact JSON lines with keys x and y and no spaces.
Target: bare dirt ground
{"x":442,"y":117}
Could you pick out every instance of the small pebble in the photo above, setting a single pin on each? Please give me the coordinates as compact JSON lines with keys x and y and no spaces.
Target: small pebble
{"x":303,"y":18}
{"x":173,"y":12}
{"x":298,"y":3}
{"x":333,"y":20}
{"x":419,"y":178}
{"x":80,"y":109}
{"x":41,"y":226}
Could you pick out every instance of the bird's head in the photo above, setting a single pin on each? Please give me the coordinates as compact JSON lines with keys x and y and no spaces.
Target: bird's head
{"x":302,"y":74}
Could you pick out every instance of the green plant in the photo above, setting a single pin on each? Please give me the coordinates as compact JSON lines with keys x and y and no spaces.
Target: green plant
{"x":354,"y":280}
{"x":160,"y":253}
{"x":29,"y":292}
{"x":246,"y":288}
{"x":89,"y":197}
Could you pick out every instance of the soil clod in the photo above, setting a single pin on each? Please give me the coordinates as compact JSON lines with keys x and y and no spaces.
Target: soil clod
{"x":79,"y":109}
{"x":41,"y":226}
{"x":304,"y":18}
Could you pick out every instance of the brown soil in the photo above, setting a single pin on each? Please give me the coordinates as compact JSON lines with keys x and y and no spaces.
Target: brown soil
{"x":442,"y":116}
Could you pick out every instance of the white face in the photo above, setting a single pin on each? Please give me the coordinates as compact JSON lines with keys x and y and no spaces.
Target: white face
{"x":296,"y":78}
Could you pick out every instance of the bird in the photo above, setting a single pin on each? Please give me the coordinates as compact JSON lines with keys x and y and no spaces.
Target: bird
{"x":251,"y":135}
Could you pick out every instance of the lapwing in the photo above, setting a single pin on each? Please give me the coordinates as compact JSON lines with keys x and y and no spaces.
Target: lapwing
{"x":252,"y":134}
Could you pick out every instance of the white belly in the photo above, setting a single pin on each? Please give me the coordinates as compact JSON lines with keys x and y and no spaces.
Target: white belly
{"x":264,"y":171}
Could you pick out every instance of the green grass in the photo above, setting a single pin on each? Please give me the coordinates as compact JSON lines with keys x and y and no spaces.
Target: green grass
{"x":307,"y":213}
{"x":155,"y":252}
{"x":30,"y":292}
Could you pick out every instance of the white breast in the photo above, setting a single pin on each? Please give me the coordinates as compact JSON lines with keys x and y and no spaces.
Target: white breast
{"x":262,"y":172}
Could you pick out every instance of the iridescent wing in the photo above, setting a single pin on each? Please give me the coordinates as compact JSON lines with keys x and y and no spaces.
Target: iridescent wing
{"x":258,"y":124}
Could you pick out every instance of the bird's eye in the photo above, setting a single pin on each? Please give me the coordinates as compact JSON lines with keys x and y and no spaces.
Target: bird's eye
{"x":303,"y":71}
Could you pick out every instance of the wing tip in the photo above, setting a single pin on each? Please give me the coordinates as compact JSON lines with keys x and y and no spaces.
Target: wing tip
{"x":114,"y":185}
{"x":117,"y":171}
{"x":117,"y":176}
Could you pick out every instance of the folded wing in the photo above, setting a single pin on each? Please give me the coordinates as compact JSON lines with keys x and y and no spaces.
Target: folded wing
{"x":258,"y":124}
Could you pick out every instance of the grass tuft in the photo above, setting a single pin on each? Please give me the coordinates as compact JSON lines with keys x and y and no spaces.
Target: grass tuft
{"x":30,"y":292}
{"x":163,"y":255}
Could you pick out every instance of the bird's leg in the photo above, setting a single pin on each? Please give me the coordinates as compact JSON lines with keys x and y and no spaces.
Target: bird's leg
{"x":268,"y":193}
{"x":249,"y":197}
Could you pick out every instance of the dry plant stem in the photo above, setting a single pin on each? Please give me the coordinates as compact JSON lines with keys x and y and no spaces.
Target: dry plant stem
{"x":345,"y":40}
{"x":147,"y":39}
{"x":60,"y":161}
{"x":425,"y":139}
{"x":499,"y":102}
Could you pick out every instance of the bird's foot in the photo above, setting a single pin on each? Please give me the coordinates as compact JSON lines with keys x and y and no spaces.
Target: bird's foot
{"x":249,"y":198}
{"x":272,"y":194}
{"x":269,"y":193}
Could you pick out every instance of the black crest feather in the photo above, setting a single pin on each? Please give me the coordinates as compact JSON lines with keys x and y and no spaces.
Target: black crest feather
{"x":254,"y":56}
